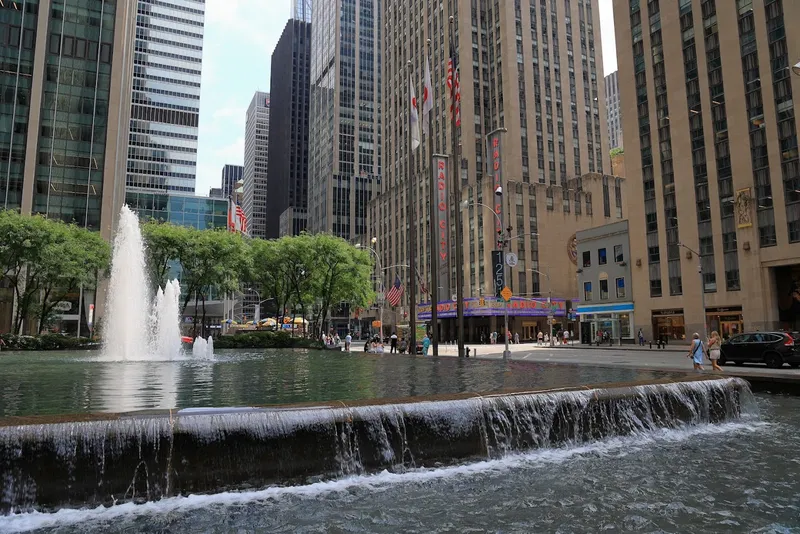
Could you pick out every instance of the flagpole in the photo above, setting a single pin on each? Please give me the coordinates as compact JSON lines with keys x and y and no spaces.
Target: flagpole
{"x":412,"y":292}
{"x":433,"y":287}
{"x":456,"y":177}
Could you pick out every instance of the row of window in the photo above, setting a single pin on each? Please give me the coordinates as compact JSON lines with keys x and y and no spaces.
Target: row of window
{"x":602,"y":256}
{"x":619,"y":284}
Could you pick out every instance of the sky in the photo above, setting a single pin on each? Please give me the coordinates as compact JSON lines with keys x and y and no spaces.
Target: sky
{"x":240,"y":36}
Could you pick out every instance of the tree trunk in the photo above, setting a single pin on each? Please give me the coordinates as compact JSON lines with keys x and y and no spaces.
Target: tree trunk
{"x":203,"y":326}
{"x":194,"y":317}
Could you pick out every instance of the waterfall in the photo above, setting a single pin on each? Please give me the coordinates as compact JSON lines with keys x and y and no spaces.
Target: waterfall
{"x":151,"y":456}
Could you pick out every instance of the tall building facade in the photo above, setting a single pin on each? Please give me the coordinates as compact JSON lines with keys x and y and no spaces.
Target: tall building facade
{"x":256,"y":160}
{"x":530,"y":67}
{"x":345,"y":164}
{"x":301,"y":10}
{"x":614,"y":118}
{"x":712,"y":163}
{"x":287,"y":179}
{"x":231,"y":175}
{"x":162,"y":151}
{"x":65,"y":90}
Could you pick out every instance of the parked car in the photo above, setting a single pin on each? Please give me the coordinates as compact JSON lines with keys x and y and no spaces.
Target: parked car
{"x":771,"y":348}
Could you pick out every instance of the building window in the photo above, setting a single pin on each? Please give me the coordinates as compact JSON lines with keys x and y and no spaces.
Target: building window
{"x":587,"y":259}
{"x":587,"y":291}
{"x":603,"y":289}
{"x":620,"y":288}
{"x":602,"y":259}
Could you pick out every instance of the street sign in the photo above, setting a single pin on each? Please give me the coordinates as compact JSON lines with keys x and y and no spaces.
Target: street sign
{"x":511,"y":259}
{"x":506,"y":294}
{"x":498,"y":272}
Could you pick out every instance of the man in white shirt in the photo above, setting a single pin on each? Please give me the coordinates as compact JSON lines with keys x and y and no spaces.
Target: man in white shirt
{"x":347,"y":340}
{"x":393,"y":343}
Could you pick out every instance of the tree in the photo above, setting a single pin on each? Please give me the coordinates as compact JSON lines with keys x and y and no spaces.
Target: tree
{"x":268,"y":271}
{"x":210,"y":260}
{"x":616,"y":152}
{"x":341,"y":273}
{"x":165,"y":242}
{"x":71,"y":262}
{"x":42,"y":260}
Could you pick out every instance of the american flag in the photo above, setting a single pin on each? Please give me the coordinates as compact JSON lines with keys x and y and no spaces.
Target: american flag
{"x":453,"y":80}
{"x":241,"y":219}
{"x":396,"y":293}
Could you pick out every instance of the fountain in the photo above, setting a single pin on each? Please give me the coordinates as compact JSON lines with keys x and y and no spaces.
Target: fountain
{"x":135,"y":329}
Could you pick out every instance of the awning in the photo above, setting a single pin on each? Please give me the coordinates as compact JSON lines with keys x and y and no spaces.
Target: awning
{"x":606,"y":308}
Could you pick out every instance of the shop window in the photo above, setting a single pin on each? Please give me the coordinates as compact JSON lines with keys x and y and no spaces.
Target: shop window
{"x":603,"y":289}
{"x":619,"y":257}
{"x":602,"y":258}
{"x":587,"y":291}
{"x":587,"y":259}
{"x":620,"y":288}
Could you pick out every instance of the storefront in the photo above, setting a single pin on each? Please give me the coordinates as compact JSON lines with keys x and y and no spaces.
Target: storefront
{"x":727,"y":320}
{"x":669,"y":324}
{"x":616,"y":319}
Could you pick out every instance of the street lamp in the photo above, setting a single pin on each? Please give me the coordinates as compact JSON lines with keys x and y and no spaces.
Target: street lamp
{"x":702,"y":286}
{"x":796,"y":68}
{"x":380,"y":279}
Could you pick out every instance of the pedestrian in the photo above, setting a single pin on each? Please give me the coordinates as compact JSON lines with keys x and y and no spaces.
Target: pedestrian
{"x":426,"y":342}
{"x":714,"y":351}
{"x":347,"y":340}
{"x":483,"y":338}
{"x":393,"y":342}
{"x":696,"y":352}
{"x":640,"y":335}
{"x":540,"y":337}
{"x":547,"y":338}
{"x":516,"y":338}
{"x":566,"y":336}
{"x":403,"y":346}
{"x":2,"y":343}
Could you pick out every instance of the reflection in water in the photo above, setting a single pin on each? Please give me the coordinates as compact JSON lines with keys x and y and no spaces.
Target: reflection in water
{"x":130,"y":386}
{"x":64,"y":383}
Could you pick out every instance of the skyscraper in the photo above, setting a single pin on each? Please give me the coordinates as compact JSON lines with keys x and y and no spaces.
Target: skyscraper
{"x":541,"y":84}
{"x":345,"y":136}
{"x":301,"y":10}
{"x":287,"y":179}
{"x":231,"y":174}
{"x":614,"y":117}
{"x":256,"y":159}
{"x":65,"y":91}
{"x":162,"y":154}
{"x":712,"y":163}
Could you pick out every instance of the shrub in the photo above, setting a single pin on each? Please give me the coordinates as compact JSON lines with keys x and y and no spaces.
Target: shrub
{"x":265,"y":340}
{"x":47,"y":342}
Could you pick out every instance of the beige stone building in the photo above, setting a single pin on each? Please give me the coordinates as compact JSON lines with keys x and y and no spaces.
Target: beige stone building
{"x":711,"y":162}
{"x":66,"y":92}
{"x":532,"y":67}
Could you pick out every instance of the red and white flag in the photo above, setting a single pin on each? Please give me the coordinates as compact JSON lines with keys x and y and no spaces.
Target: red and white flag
{"x":237,"y":220}
{"x":241,"y":219}
{"x":453,"y":83}
{"x":414,"y":118}
{"x":395,"y":293}
{"x":427,"y":99}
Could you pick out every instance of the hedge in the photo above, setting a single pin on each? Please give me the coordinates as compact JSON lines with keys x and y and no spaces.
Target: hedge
{"x":266,"y":340}
{"x":47,"y":342}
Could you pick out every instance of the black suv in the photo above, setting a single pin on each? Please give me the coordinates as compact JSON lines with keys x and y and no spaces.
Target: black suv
{"x":771,"y":348}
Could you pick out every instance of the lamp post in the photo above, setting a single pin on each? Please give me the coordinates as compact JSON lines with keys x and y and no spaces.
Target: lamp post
{"x":256,"y":307}
{"x":702,"y":286}
{"x":796,"y":68}
{"x":549,"y":301}
{"x":380,"y":280}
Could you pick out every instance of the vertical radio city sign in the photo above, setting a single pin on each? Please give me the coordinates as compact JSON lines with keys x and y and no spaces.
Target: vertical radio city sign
{"x":495,"y":159}
{"x":440,"y":166}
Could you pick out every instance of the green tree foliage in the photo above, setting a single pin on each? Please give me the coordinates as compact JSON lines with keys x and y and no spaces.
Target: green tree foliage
{"x":42,"y":260}
{"x":165,"y":243}
{"x":616,"y":152}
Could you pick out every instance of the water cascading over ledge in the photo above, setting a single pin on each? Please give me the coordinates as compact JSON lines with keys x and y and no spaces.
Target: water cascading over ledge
{"x":148,"y":457}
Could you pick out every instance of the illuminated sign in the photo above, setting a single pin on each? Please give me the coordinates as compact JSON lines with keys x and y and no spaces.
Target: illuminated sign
{"x":442,"y":226}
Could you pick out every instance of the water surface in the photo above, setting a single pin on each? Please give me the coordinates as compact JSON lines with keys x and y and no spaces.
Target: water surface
{"x":50,"y":383}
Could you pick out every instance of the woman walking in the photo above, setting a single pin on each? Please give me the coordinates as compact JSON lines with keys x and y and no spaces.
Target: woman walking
{"x":714,"y":350}
{"x":696,"y":352}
